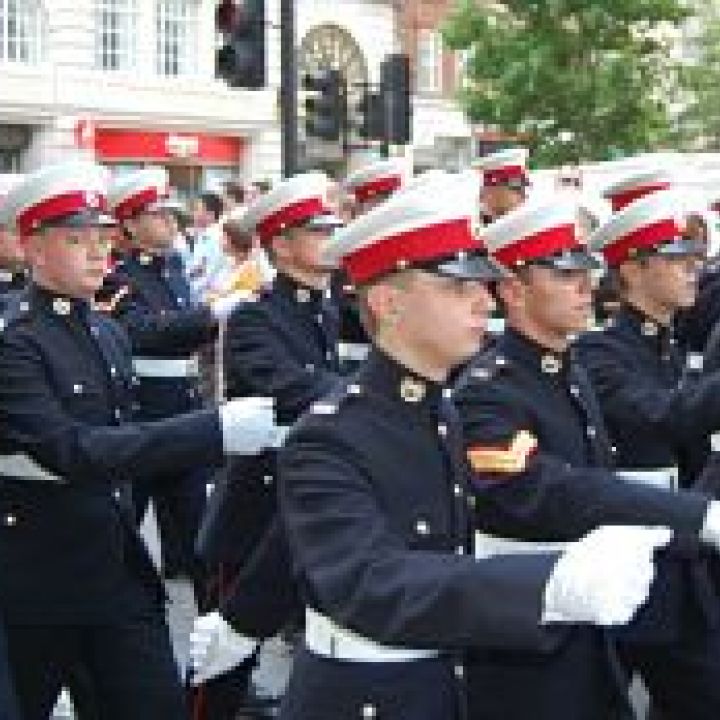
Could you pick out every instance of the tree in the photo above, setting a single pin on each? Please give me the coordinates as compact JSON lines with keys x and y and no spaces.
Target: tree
{"x":698,"y":120}
{"x":577,"y":79}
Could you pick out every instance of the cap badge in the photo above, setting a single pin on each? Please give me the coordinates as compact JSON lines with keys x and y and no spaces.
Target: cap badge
{"x":649,"y":328}
{"x":550,"y":364}
{"x":145,"y":259}
{"x":61,"y":306}
{"x":412,"y":390}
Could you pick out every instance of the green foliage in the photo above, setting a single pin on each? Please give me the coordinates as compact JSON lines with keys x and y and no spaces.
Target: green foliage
{"x":698,"y":124}
{"x":577,"y":79}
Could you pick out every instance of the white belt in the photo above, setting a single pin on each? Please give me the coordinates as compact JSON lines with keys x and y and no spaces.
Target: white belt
{"x":487,"y":546}
{"x":166,"y":367}
{"x":656,"y":477}
{"x":355,"y":352}
{"x":323,"y":637}
{"x":24,"y":467}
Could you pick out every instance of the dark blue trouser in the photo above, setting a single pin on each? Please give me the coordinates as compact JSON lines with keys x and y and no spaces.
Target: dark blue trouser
{"x":8,"y":702}
{"x":325,"y":689}
{"x":129,"y":663}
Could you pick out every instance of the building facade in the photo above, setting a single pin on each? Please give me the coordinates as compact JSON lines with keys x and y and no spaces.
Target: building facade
{"x":132,"y":82}
{"x":442,"y":136}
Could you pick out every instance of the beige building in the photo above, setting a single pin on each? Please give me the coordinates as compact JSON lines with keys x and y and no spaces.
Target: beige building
{"x":132,"y":82}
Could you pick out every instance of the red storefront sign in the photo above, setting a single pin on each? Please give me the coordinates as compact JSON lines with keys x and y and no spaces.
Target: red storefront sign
{"x":116,"y":145}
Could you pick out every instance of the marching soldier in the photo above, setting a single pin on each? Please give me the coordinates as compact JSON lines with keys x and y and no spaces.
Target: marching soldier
{"x":375,"y":182}
{"x":620,"y":194}
{"x":635,"y":186}
{"x":657,"y":416}
{"x":373,"y":493}
{"x":13,"y":273}
{"x":79,"y":589}
{"x":286,"y":345}
{"x":694,"y":326}
{"x":652,"y":416}
{"x":366,"y":188}
{"x":542,"y":469}
{"x":9,"y":253}
{"x":504,"y":181}
{"x":167,"y":330}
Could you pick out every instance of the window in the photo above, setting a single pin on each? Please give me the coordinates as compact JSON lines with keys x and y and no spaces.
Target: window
{"x":463,"y":60}
{"x":176,"y":32}
{"x":20,"y":31}
{"x":115,"y":31}
{"x":429,"y":61}
{"x":10,"y":161}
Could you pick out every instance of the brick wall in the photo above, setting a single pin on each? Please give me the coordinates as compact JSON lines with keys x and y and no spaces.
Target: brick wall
{"x":418,"y":15}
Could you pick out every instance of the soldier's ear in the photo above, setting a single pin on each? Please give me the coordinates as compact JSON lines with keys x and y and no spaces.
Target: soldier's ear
{"x":509,"y":291}
{"x":280,"y":247}
{"x":383,"y":304}
{"x":130,"y":226}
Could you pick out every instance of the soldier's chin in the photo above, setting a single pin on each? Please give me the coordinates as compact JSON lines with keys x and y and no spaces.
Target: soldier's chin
{"x":93,"y":279}
{"x":474,"y":343}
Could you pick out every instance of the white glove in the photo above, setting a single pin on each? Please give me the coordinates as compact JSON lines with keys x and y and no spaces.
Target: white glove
{"x":710,"y":532}
{"x":248,"y":425}
{"x":604,"y":578}
{"x":215,"y":648}
{"x":222,"y":307}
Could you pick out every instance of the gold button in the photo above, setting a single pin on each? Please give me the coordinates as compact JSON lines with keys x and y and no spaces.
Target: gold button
{"x":412,"y":390}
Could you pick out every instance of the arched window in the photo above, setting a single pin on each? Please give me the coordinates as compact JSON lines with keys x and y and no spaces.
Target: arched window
{"x":176,"y":32}
{"x":20,"y":31}
{"x":330,"y":46}
{"x":115,"y":33}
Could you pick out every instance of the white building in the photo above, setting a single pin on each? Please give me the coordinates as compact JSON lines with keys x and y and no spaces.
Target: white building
{"x":133,"y":82}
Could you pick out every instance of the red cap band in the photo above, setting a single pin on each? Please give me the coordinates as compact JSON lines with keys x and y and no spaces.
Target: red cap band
{"x":134,"y":204}
{"x":504,"y":175}
{"x":379,"y":186}
{"x":622,"y":199}
{"x":420,"y":245}
{"x":34,"y":216}
{"x":644,"y":238}
{"x":540,"y":245}
{"x":290,"y":216}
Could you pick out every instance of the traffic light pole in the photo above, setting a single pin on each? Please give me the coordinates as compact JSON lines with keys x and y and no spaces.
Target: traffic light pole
{"x":288,"y":89}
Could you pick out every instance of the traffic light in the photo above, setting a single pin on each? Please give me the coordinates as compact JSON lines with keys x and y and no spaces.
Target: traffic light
{"x":240,"y":61}
{"x":325,"y":109}
{"x":372,"y":116}
{"x":395,"y":89}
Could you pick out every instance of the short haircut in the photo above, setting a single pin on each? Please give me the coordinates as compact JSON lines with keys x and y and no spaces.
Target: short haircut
{"x":212,"y":203}
{"x":240,"y":239}
{"x":235,"y":190}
